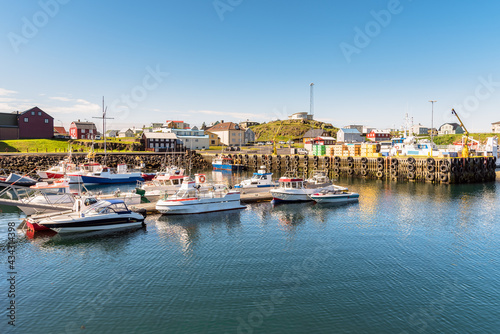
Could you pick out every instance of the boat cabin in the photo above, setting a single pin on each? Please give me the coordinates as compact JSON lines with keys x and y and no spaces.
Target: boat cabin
{"x":291,"y":183}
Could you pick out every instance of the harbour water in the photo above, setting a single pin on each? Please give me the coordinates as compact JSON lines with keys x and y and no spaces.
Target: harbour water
{"x":409,"y":258}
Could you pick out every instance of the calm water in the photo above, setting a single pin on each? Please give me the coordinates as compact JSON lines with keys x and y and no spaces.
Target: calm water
{"x":409,"y":258}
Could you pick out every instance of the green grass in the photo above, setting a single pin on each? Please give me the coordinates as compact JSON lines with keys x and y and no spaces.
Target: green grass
{"x":450,"y":139}
{"x":37,"y":145}
{"x":290,"y":130}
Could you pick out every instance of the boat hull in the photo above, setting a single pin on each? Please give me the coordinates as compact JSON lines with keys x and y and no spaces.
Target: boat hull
{"x":71,"y":224}
{"x":301,"y":195}
{"x":86,"y":179}
{"x":342,"y":198}
{"x":227,"y":167}
{"x":203,"y":205}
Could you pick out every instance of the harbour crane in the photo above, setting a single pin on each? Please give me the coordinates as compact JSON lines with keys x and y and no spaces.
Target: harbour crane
{"x":275,"y":152}
{"x":465,"y":149}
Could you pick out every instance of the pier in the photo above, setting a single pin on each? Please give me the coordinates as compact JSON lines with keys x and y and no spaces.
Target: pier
{"x":397,"y":168}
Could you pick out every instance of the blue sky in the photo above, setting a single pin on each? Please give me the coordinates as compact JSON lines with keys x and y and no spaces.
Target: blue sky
{"x":205,"y":60}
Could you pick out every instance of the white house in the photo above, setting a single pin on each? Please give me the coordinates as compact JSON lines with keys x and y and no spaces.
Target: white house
{"x":450,"y":128}
{"x":194,"y":138}
{"x":301,"y":115}
{"x":495,"y":127}
{"x":126,"y":133}
{"x":419,"y":129}
{"x":349,"y":136}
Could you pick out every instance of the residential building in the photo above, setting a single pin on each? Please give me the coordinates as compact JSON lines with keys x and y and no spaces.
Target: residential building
{"x":176,"y":125}
{"x":378,"y":135}
{"x":112,"y":133}
{"x":161,"y":142}
{"x":214,"y":140}
{"x":249,"y":136}
{"x":126,"y":132}
{"x":83,"y":130}
{"x":450,"y":128}
{"x":495,"y":127}
{"x":349,"y":136}
{"x":417,"y":130}
{"x":301,"y":115}
{"x":247,"y":124}
{"x":60,"y":132}
{"x":33,"y":123}
{"x":313,"y":133}
{"x":230,"y":133}
{"x":194,"y":138}
{"x":360,"y":128}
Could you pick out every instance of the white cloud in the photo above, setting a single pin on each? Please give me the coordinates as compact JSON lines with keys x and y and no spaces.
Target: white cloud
{"x":4,"y":92}
{"x":59,"y":98}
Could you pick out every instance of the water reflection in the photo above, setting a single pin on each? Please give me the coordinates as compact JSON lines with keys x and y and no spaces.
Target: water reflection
{"x":187,"y":230}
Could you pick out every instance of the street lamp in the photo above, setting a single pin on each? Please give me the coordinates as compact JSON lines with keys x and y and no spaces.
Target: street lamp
{"x":432,"y":125}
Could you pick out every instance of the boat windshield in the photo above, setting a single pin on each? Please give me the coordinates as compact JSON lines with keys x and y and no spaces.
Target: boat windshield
{"x":102,"y":207}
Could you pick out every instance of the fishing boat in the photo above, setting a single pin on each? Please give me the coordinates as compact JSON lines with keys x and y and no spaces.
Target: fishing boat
{"x":106,"y":175}
{"x":336,"y":194}
{"x":194,"y":197}
{"x":103,"y":215}
{"x":261,"y":179}
{"x":224,"y":162}
{"x":58,"y":171}
{"x":169,"y":179}
{"x":295,"y":189}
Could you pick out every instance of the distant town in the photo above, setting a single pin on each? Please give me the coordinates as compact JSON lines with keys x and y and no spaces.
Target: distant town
{"x":175,"y":135}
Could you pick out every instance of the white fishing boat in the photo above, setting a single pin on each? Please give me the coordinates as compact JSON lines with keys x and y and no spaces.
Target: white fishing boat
{"x":194,"y":197}
{"x":261,"y":179}
{"x":295,"y":189}
{"x":105,"y":175}
{"x":336,"y":195}
{"x":165,"y":181}
{"x":58,"y":171}
{"x":103,"y":215}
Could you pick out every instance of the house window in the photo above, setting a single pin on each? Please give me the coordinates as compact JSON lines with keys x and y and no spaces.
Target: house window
{"x":233,"y":134}
{"x":32,"y":113}
{"x":25,"y":119}
{"x":46,"y":121}
{"x":91,"y":131}
{"x":83,"y":131}
{"x":39,"y":113}
{"x":196,"y":140}
{"x":213,"y":142}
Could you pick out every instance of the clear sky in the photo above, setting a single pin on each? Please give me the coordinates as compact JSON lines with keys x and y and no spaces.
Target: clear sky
{"x":205,"y":60}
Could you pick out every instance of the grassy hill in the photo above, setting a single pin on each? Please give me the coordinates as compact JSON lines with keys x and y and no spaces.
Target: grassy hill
{"x":450,"y":139}
{"x":291,"y":129}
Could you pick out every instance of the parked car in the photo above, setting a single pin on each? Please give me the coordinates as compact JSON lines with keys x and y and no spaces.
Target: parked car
{"x":302,"y":151}
{"x":269,"y":143}
{"x":282,"y":143}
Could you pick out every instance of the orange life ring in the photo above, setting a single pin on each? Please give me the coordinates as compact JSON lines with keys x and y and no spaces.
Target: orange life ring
{"x":202,"y":178}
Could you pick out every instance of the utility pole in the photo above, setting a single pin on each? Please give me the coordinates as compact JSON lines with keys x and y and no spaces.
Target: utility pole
{"x":104,"y":118}
{"x":311,"y":100}
{"x":432,"y":125}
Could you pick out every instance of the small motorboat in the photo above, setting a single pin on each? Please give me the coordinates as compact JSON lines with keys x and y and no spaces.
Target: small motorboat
{"x":107,"y":175}
{"x":103,"y":215}
{"x":261,"y":179}
{"x":17,"y":180}
{"x":335,"y":195}
{"x":225,"y":162}
{"x":295,"y":189}
{"x":58,"y":171}
{"x":198,"y":197}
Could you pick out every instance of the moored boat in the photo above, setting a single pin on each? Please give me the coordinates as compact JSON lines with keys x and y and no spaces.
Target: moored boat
{"x":261,"y":179}
{"x":103,"y":215}
{"x":106,"y":175}
{"x":295,"y":189}
{"x":335,"y":195}
{"x":17,"y":180}
{"x":224,"y":162}
{"x":200,"y":198}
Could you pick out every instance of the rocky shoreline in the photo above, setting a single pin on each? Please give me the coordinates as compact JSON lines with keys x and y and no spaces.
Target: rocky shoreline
{"x":29,"y":163}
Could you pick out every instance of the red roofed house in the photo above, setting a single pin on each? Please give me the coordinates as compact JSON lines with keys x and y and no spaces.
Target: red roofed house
{"x":377,"y":135}
{"x":60,"y":132}
{"x":230,"y":133}
{"x":176,"y":125}
{"x":83,"y":130}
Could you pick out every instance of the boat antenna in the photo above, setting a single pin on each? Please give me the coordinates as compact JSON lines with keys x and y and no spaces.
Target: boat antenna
{"x":104,"y":118}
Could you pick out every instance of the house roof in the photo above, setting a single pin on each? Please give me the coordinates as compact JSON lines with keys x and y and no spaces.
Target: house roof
{"x":495,"y":123}
{"x":344,"y":130}
{"x":159,"y":135}
{"x":60,"y":130}
{"x":226,"y":126}
{"x":313,"y":133}
{"x":125,"y":130}
{"x":35,"y":109}
{"x":84,"y":125}
{"x":455,"y":125}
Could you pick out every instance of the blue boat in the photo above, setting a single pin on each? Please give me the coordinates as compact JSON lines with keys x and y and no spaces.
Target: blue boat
{"x":105,"y":175}
{"x":226,"y":163}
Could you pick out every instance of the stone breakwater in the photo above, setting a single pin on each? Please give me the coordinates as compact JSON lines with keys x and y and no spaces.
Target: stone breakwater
{"x":29,"y":163}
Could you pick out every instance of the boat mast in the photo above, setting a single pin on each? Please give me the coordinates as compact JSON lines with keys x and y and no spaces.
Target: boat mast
{"x":104,"y":118}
